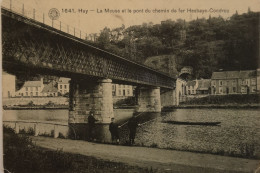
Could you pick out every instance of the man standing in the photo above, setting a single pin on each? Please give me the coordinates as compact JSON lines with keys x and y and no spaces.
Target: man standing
{"x":91,"y":124}
{"x":113,"y":128}
{"x":132,"y":125}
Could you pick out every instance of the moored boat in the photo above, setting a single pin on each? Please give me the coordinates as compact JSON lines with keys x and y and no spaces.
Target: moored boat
{"x":193,"y":123}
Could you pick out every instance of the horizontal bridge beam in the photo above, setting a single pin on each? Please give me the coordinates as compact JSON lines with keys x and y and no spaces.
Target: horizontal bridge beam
{"x":33,"y":44}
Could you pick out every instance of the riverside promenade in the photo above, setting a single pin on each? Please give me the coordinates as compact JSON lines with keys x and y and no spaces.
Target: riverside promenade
{"x":160,"y":159}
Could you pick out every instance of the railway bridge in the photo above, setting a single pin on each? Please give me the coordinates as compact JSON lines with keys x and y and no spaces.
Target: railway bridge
{"x":32,"y":46}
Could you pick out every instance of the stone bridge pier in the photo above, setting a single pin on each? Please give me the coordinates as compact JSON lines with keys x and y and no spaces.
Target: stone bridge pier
{"x":95,"y":95}
{"x":148,"y":99}
{"x":90,"y":96}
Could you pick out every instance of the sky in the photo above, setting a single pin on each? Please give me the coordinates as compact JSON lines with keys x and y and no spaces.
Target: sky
{"x":142,"y":11}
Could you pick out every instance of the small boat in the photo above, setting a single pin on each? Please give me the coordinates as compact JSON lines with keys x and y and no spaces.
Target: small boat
{"x":193,"y":123}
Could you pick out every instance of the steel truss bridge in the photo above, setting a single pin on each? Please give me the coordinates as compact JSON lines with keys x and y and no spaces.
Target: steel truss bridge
{"x":30,"y":44}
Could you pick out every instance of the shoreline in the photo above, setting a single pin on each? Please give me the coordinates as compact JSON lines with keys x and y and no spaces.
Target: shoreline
{"x":165,"y":108}
{"x":53,"y":107}
{"x":211,"y":106}
{"x":35,"y":107}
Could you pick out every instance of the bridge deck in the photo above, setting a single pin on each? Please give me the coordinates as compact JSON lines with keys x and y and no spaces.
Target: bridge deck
{"x":43,"y":48}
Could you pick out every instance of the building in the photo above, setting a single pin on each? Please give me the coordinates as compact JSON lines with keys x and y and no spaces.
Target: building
{"x":198,"y":87}
{"x":8,"y":85}
{"x":122,"y":90}
{"x":31,"y":89}
{"x":203,"y":86}
{"x":234,"y":82}
{"x":50,"y":89}
{"x":180,"y":90}
{"x":191,"y":87}
{"x":63,"y":85}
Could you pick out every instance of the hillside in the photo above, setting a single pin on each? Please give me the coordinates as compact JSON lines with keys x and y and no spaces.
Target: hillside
{"x":205,"y":44}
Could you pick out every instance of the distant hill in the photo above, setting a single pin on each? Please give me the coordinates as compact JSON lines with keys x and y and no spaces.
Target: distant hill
{"x":164,"y":63}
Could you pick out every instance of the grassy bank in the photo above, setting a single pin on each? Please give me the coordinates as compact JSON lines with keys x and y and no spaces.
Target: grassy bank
{"x":21,"y":155}
{"x":225,"y":100}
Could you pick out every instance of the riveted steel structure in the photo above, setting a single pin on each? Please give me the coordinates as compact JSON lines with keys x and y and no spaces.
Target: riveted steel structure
{"x":34,"y":45}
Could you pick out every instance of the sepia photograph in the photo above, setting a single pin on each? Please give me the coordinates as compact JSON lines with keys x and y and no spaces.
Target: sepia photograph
{"x":130,"y":86}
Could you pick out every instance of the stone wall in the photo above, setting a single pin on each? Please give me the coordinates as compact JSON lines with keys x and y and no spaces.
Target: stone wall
{"x":35,"y":100}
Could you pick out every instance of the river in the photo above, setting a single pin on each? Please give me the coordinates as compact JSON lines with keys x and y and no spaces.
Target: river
{"x":237,"y":135}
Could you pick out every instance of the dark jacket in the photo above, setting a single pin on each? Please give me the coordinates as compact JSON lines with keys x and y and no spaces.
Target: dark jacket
{"x":132,"y":124}
{"x":113,"y":128}
{"x":91,"y":120}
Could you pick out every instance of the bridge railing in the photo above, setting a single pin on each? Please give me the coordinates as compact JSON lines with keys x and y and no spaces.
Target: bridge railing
{"x":29,"y":12}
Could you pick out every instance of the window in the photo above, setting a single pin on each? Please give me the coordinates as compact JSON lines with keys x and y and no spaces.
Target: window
{"x":26,"y":93}
{"x":65,"y":86}
{"x":220,"y":90}
{"x":128,"y":91}
{"x":220,"y":83}
{"x":233,"y":82}
{"x":242,"y":89}
{"x":253,"y":89}
{"x":119,"y":92}
{"x":234,"y":89}
{"x":36,"y":88}
{"x":36,"y":93}
{"x":26,"y":88}
{"x":253,"y":81}
{"x":60,"y":86}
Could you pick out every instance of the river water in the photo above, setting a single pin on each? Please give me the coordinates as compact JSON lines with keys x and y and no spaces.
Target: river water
{"x":237,"y":135}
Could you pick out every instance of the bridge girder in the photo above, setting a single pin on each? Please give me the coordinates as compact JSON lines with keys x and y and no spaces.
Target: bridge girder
{"x":30,"y":44}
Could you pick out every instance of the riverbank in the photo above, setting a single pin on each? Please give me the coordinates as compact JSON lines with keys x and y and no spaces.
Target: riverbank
{"x":220,"y":101}
{"x":160,"y":160}
{"x":44,"y":107}
{"x":43,"y":154}
{"x":213,"y":106}
{"x":36,"y":107}
{"x":22,"y":155}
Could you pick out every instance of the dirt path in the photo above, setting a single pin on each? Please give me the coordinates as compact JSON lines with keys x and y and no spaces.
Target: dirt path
{"x":165,"y":160}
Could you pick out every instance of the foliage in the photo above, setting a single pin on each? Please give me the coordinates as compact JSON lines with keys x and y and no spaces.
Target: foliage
{"x":205,"y":44}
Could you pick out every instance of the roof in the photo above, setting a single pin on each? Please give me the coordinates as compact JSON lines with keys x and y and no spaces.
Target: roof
{"x":191,"y":83}
{"x":32,"y":83}
{"x":234,"y":74}
{"x":203,"y":84}
{"x":50,"y":87}
{"x":63,"y":80}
